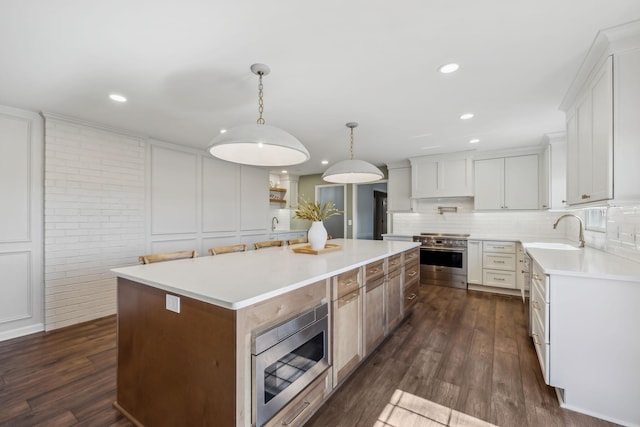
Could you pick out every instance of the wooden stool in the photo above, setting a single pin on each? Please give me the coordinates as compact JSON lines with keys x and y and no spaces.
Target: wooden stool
{"x":167,"y":256}
{"x":227,"y":249}
{"x":267,"y":244}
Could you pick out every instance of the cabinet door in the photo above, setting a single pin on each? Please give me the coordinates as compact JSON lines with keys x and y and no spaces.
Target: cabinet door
{"x":602,"y":135}
{"x":474,"y":262}
{"x":489,"y":184}
{"x":374,"y":318}
{"x":521,"y":182}
{"x":399,"y":189}
{"x":347,"y":335}
{"x":394,"y":299}
{"x":424,"y":177}
{"x":454,"y":178}
{"x":573,"y":162}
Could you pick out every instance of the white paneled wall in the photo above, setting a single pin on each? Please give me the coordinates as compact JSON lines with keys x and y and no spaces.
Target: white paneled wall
{"x":94,"y":217}
{"x":21,"y":289}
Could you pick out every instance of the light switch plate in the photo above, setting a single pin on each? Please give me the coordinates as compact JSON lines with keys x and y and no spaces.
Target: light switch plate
{"x":173,"y":303}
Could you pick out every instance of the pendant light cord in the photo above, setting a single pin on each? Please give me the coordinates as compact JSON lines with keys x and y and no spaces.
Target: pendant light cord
{"x":260,"y":120}
{"x":351,"y":150}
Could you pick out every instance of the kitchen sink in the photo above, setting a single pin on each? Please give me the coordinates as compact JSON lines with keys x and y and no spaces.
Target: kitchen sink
{"x":556,"y":246}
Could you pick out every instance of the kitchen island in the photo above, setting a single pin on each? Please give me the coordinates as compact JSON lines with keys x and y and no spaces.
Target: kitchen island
{"x":186,"y":328}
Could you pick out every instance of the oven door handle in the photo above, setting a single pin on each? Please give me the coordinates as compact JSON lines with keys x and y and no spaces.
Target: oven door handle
{"x":444,"y":249}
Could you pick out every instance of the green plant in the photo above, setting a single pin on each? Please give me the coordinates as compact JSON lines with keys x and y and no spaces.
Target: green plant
{"x":315,"y":211}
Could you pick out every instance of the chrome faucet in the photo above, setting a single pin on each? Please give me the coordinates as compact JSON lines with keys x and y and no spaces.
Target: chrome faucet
{"x":581,"y":236}
{"x":274,"y":221}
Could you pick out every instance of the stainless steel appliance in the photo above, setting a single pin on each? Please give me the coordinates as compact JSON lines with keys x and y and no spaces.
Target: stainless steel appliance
{"x":287,"y":358}
{"x":443,"y":259}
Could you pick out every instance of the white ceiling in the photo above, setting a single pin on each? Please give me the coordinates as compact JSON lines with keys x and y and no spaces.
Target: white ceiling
{"x":184,"y":66}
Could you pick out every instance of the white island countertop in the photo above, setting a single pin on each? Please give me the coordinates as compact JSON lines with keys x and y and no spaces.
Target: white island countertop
{"x":237,"y":280}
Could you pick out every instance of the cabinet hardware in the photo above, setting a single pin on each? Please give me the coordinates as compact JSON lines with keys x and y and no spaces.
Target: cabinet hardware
{"x":305,"y":405}
{"x":498,"y":262}
{"x":498,"y":247}
{"x":586,"y":196}
{"x":350,"y":298}
{"x":535,"y":276}
{"x":412,"y":297}
{"x":535,"y":305}
{"x":499,"y":279}
{"x":535,"y":338}
{"x":564,"y":201}
{"x":545,"y":206}
{"x":413,"y":273}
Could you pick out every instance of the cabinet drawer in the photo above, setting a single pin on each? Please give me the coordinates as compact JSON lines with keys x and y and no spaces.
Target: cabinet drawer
{"x":499,"y":261}
{"x":345,"y":283}
{"x":411,"y":271}
{"x":372,"y":284}
{"x":412,"y":255}
{"x":305,"y":404}
{"x":500,"y":279}
{"x":505,"y":247}
{"x":394,"y":262}
{"x":542,"y":348}
{"x":540,"y":280}
{"x":539,"y":311}
{"x":374,"y":270}
{"x":410,"y":296}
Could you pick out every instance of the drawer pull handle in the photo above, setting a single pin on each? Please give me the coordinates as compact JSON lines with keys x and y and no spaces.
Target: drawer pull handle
{"x":535,"y":338}
{"x":498,"y":247}
{"x":535,"y":276}
{"x":347,"y":283}
{"x":412,"y":273}
{"x":499,"y":279}
{"x":498,"y":262}
{"x":586,"y":196}
{"x":350,"y":298}
{"x":305,"y":405}
{"x":412,"y":297}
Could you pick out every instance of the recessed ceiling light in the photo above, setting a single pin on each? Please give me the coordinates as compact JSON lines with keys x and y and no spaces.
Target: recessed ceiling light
{"x":283,"y":171}
{"x":449,"y":68}
{"x":223,"y":131}
{"x":474,"y":141}
{"x":466,"y":116}
{"x":117,"y":98}
{"x":325,"y":162}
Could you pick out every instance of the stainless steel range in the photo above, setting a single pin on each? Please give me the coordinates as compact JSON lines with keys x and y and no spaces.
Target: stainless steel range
{"x":443,"y":259}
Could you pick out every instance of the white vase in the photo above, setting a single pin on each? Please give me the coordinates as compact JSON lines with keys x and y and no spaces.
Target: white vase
{"x":317,"y":235}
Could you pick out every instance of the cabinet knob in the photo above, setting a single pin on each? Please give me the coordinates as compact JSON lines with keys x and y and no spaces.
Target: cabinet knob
{"x":564,"y":201}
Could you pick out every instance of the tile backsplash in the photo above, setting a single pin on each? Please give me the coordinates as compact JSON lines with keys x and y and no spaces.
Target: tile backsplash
{"x":465,"y":220}
{"x":622,"y":235}
{"x":623,"y":232}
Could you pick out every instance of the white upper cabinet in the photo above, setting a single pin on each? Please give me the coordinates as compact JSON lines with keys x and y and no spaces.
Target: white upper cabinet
{"x":441,"y":176}
{"x":399,"y":188}
{"x":590,"y":133}
{"x":507,"y":183}
{"x":602,"y":120}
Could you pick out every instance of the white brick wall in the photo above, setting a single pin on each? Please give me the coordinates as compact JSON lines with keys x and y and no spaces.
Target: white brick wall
{"x":94,"y":217}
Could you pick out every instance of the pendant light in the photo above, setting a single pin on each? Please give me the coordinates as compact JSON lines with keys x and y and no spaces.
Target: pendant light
{"x":352,"y":171}
{"x":258,"y":144}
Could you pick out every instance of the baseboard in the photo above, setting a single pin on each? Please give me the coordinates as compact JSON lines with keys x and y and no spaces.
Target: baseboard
{"x":20,"y":332}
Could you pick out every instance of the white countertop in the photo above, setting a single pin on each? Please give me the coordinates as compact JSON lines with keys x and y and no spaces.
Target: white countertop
{"x":237,"y":280}
{"x":586,"y":262}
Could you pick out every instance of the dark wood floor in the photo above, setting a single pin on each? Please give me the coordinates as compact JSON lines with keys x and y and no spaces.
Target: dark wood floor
{"x":465,"y":350}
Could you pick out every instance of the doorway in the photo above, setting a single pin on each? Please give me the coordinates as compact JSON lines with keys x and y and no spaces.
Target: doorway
{"x":337,"y":194}
{"x":369,"y":211}
{"x":379,"y":215}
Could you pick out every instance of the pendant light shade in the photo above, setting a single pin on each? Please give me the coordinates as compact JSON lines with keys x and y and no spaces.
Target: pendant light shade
{"x":352,"y":171}
{"x":259,"y":144}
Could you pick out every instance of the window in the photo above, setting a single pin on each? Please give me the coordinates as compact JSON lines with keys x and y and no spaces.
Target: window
{"x":596,"y":219}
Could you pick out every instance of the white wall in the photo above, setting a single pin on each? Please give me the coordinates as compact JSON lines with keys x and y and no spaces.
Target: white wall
{"x":94,"y":217}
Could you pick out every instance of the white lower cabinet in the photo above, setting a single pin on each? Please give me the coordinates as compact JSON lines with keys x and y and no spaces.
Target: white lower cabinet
{"x":474,"y":262}
{"x":492,"y":264}
{"x":539,"y":317}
